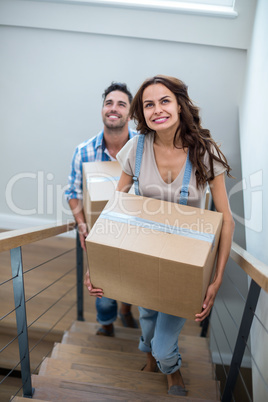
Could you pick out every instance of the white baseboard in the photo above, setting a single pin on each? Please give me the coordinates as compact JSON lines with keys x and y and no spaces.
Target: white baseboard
{"x":14,"y":222}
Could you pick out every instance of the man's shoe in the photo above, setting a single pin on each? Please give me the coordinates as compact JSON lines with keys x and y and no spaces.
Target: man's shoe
{"x":105,"y":332}
{"x":128,"y":320}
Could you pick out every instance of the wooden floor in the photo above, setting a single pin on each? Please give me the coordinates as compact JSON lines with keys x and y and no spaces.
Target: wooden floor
{"x":83,"y":366}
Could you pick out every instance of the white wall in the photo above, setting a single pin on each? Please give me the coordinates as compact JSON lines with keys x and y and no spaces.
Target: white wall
{"x":86,"y":17}
{"x":254,"y":145}
{"x":51,"y":98}
{"x":56,"y":59}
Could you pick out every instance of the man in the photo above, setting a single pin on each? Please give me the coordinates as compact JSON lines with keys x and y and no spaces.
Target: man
{"x":103,"y":147}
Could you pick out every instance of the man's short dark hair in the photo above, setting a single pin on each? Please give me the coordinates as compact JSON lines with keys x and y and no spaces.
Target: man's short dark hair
{"x":118,"y":86}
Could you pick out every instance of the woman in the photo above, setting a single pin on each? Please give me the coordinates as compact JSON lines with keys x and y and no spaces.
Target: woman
{"x":171,"y":124}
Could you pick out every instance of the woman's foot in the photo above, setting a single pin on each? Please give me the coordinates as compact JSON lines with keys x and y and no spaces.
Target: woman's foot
{"x":151,"y":365}
{"x":175,"y":384}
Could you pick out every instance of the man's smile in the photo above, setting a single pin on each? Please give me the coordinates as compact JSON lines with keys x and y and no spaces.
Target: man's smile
{"x":113,"y":116}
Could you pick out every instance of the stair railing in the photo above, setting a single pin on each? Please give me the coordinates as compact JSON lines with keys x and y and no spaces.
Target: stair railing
{"x":13,"y":241}
{"x":258,"y":275}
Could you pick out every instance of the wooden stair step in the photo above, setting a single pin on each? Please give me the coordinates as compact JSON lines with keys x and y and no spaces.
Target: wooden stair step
{"x":85,"y":330}
{"x":191,"y":346}
{"x":10,"y":357}
{"x":101,"y":342}
{"x":190,"y":327}
{"x":57,"y":389}
{"x":76,"y":353}
{"x":123,"y":361}
{"x":21,"y":398}
{"x":90,"y":328}
{"x":154,"y":383}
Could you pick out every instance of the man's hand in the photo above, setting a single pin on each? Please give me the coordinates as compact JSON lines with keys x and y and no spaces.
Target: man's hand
{"x":92,"y":291}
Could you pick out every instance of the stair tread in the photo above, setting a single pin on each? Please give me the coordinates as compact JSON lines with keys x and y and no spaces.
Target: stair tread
{"x":193,"y":349}
{"x":140,"y":381}
{"x":119,"y":360}
{"x":90,"y":328}
{"x":21,"y":398}
{"x":83,"y":330}
{"x":74,"y":350}
{"x":101,"y":342}
{"x":190,"y":345}
{"x":131,"y":337}
{"x":53,"y":388}
{"x":191,"y":328}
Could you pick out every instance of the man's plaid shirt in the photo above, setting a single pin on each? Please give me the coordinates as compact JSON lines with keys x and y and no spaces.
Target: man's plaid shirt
{"x":91,"y":150}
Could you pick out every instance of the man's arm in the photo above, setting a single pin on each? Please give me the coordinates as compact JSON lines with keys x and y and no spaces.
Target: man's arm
{"x":74,"y":195}
{"x":76,"y":206}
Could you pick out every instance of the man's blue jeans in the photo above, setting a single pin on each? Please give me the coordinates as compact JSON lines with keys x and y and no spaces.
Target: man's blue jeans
{"x":106,"y":310}
{"x":160,"y":334}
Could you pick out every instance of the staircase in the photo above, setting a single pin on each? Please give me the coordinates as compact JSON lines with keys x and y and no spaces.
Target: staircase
{"x":86,"y":367}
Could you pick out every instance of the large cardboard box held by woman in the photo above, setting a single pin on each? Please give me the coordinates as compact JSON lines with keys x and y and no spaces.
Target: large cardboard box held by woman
{"x":154,"y":254}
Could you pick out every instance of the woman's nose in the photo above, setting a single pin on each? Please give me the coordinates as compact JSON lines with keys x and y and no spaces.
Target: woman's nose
{"x":157,"y":109}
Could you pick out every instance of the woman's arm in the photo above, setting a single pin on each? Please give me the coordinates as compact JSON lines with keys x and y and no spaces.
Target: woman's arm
{"x":125,"y":183}
{"x":220,"y":198}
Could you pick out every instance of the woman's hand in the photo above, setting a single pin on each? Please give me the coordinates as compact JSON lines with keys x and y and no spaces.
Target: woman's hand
{"x":220,"y":198}
{"x":92,"y":291}
{"x":212,"y":291}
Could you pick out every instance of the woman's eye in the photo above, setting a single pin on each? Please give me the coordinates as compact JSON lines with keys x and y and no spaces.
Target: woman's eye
{"x":148,"y":105}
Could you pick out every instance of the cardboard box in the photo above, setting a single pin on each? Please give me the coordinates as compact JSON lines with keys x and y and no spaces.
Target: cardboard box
{"x":100,"y":180}
{"x":153,"y":253}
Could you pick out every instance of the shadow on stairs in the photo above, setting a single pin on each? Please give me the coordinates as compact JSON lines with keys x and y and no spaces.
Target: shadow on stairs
{"x":86,"y":367}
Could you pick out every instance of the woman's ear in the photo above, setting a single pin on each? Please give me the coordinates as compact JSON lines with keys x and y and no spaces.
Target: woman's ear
{"x":179,"y":109}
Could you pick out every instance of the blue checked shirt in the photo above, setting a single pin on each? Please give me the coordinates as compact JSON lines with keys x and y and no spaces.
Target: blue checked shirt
{"x":91,"y":150}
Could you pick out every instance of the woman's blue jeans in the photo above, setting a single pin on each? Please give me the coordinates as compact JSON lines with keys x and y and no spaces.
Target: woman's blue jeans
{"x":160,"y":333}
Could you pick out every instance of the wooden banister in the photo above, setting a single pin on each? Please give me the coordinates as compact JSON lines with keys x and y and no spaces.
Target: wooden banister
{"x":16,"y":238}
{"x":255,"y":268}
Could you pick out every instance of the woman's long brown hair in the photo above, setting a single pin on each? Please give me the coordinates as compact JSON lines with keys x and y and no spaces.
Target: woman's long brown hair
{"x":192,"y":134}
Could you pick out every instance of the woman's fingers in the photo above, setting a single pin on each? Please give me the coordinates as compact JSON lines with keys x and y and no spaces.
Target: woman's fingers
{"x":203,"y":315}
{"x":208,"y":304}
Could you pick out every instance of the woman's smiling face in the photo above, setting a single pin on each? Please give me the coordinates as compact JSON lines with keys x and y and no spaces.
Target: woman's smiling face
{"x":160,"y":108}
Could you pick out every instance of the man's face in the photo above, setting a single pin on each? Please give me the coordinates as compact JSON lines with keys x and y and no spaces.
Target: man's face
{"x":115,"y":110}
